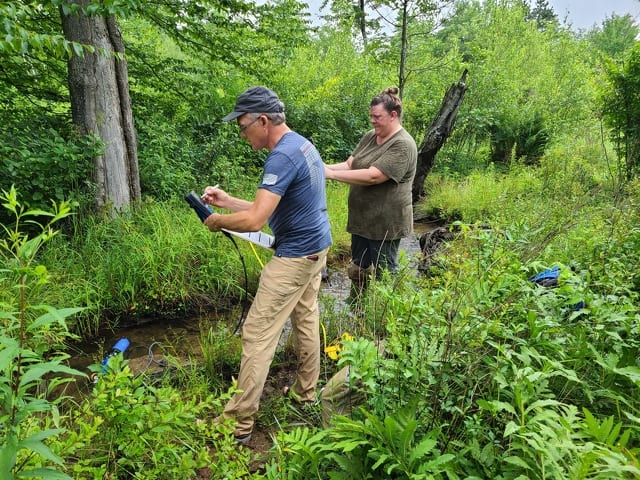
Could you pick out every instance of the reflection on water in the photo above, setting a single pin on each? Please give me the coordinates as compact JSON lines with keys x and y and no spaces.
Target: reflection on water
{"x":152,"y":342}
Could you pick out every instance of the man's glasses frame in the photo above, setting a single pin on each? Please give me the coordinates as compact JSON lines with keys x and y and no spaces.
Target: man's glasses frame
{"x":243,"y":128}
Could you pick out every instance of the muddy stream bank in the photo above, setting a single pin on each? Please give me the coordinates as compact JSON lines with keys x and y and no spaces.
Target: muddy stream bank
{"x":153,"y":341}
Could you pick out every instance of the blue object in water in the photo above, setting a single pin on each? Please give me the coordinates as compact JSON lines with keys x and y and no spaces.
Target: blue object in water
{"x":119,"y":347}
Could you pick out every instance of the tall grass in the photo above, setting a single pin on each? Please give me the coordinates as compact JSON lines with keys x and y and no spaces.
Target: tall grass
{"x":158,"y":260}
{"x":337,"y":207}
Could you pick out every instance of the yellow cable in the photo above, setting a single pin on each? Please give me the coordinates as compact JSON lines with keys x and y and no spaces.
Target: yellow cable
{"x":324,"y":335}
{"x":256,"y":254}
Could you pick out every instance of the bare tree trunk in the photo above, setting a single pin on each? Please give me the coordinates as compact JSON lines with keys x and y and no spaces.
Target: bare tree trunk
{"x":437,"y":134}
{"x":101,"y":105}
{"x":362,"y":21}
{"x":404,"y":46}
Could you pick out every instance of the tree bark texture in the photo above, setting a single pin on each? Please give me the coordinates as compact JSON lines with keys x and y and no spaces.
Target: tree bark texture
{"x":437,"y":134}
{"x":101,"y":105}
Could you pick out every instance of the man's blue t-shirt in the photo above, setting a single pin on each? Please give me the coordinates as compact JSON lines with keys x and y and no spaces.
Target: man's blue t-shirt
{"x":294,"y":171}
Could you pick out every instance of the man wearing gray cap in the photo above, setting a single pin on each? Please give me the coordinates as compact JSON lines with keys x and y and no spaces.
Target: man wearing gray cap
{"x":291,"y":198}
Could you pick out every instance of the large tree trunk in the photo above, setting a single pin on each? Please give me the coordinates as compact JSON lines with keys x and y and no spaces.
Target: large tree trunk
{"x":437,"y":133}
{"x":101,"y":105}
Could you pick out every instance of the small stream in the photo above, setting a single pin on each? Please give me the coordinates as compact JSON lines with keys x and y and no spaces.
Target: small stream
{"x":152,"y":341}
{"x":338,"y":284}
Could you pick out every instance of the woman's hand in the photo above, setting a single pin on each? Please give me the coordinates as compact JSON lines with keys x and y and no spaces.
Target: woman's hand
{"x":328,"y":172}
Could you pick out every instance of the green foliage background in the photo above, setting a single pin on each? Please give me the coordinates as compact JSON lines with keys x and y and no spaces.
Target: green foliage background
{"x":485,"y":374}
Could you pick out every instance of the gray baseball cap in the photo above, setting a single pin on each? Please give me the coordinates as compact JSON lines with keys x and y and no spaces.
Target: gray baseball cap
{"x":256,"y":100}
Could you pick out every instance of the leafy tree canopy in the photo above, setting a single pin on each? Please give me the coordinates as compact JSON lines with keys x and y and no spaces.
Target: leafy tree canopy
{"x":617,"y":34}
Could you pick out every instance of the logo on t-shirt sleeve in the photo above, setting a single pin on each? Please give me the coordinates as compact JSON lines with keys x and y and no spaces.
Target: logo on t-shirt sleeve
{"x":269,"y":179}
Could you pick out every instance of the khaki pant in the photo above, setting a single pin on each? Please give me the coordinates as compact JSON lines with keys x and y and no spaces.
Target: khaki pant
{"x":288,"y":289}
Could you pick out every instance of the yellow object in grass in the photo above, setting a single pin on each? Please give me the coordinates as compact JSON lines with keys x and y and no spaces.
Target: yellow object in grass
{"x":333,"y":349}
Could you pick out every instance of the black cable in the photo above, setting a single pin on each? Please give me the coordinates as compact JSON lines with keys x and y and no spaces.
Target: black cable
{"x":151,"y":358}
{"x":203,"y":211}
{"x":246,"y":282}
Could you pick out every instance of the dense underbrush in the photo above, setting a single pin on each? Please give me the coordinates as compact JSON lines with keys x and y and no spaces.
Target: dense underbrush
{"x":482,"y":373}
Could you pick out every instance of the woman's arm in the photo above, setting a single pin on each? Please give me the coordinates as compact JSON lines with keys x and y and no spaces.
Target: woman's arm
{"x":362,"y":176}
{"x":346,"y":165}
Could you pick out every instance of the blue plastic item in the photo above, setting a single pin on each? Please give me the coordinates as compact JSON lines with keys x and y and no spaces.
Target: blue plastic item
{"x":119,"y":347}
{"x":547,"y":277}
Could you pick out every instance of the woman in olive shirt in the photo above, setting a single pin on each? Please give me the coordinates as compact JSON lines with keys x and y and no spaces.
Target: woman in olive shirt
{"x":380,"y":171}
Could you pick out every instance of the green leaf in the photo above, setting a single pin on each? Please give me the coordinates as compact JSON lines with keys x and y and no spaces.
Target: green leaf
{"x":53,"y":315}
{"x":45,"y":473}
{"x":8,"y":456}
{"x":632,"y":373}
{"x":38,"y":213}
{"x":517,"y":461}
{"x":34,"y":444}
{"x":437,"y":463}
{"x":511,"y":428}
{"x":541,"y":404}
{"x":420,"y":450}
{"x":37,"y":371}
{"x":77,"y":49}
{"x":8,"y":353}
{"x":495,"y":406}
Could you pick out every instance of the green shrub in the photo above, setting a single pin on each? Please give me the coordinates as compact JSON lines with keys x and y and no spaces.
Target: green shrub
{"x":129,"y":428}
{"x":47,"y":166}
{"x":32,"y":360}
{"x":374,"y":447}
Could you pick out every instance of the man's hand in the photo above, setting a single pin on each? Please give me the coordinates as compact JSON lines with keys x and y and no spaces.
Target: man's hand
{"x":216,"y":197}
{"x":211,"y":222}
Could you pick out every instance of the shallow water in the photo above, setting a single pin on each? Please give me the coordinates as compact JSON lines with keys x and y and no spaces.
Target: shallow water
{"x":338,"y":284}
